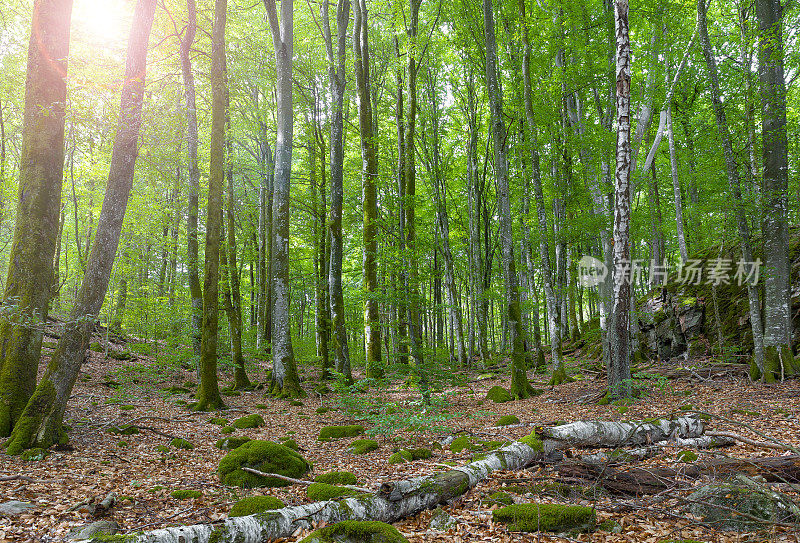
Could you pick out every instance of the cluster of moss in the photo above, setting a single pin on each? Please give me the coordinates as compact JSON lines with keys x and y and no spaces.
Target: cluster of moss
{"x":123,"y":430}
{"x":32,"y":455}
{"x":502,"y":498}
{"x":264,"y":456}
{"x":407,"y":455}
{"x":363,"y":446}
{"x":249,"y":421}
{"x":546,"y":517}
{"x":291,"y":443}
{"x":320,"y":492}
{"x":322,"y":410}
{"x":255,"y":504}
{"x":498,"y":394}
{"x":337,"y":478}
{"x":186,"y":494}
{"x":507,"y":420}
{"x":230,"y":443}
{"x":219,"y":421}
{"x":460,"y":443}
{"x":337,"y":432}
{"x":227,"y":430}
{"x":127,"y":407}
{"x":180,"y":443}
{"x":356,"y":531}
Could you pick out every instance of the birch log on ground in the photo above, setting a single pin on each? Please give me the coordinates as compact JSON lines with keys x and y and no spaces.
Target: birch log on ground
{"x":402,"y":499}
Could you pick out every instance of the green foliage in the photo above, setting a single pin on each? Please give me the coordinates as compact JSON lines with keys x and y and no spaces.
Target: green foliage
{"x":186,"y":494}
{"x":255,"y":504}
{"x":180,"y":443}
{"x":363,"y":446}
{"x":542,"y":517}
{"x":266,"y":457}
{"x":507,"y":420}
{"x":338,"y":432}
{"x":337,"y":478}
{"x":498,"y":394}
{"x":249,"y":421}
{"x":352,"y":531}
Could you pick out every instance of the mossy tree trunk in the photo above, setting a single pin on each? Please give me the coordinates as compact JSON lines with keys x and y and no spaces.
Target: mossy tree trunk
{"x":285,"y":381}
{"x":777,"y":284}
{"x":208,"y":397}
{"x":734,"y":185}
{"x":40,"y":422}
{"x":369,"y":174}
{"x":520,"y":387}
{"x":30,"y":269}
{"x":192,"y":138}
{"x":320,"y":233}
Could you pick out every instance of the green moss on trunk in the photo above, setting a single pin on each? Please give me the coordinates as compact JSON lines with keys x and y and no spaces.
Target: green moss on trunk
{"x":29,"y":426}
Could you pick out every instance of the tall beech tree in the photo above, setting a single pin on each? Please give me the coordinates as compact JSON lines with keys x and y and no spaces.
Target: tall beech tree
{"x":208,"y":397}
{"x":30,"y":269}
{"x":40,"y":424}
{"x":285,"y":381}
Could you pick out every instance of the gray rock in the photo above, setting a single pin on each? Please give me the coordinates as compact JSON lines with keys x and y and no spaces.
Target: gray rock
{"x":15,"y":508}
{"x":107,"y":527}
{"x":441,"y":521}
{"x":742,"y":504}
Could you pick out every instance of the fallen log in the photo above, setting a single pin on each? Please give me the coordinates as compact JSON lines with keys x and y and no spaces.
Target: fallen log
{"x":618,"y":434}
{"x":638,"y":481}
{"x":401,"y":499}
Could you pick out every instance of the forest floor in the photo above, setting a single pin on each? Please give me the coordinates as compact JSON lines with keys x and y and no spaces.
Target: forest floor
{"x":143,"y":476}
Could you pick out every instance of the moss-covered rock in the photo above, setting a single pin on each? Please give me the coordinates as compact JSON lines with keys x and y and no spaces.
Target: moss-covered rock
{"x":401,"y":457}
{"x":180,"y":443}
{"x":291,"y":443}
{"x":502,"y":498}
{"x":460,"y":443}
{"x":255,"y":504}
{"x":363,"y":446}
{"x":353,"y":531}
{"x":230,"y":443}
{"x":534,"y":441}
{"x":338,"y":432}
{"x":249,"y":421}
{"x":421,"y":453}
{"x":320,"y":492}
{"x":337,"y":478}
{"x":546,"y":517}
{"x":498,"y":394}
{"x":507,"y":420}
{"x":219,"y":421}
{"x":228,"y":430}
{"x":186,"y":494}
{"x":264,"y":456}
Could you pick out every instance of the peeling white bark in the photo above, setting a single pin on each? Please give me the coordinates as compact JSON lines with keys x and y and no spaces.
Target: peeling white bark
{"x":617,"y":434}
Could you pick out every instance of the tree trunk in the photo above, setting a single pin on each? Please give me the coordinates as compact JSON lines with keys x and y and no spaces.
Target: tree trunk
{"x":735,"y":188}
{"x":619,"y":371}
{"x":777,"y":281}
{"x":520,"y":387}
{"x":285,"y":381}
{"x":30,"y":270}
{"x":369,"y":179}
{"x":676,"y":187}
{"x":40,"y":423}
{"x":192,"y":139}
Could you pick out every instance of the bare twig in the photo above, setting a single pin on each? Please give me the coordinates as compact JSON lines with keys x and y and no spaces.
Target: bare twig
{"x":300,"y":481}
{"x":743,"y":439}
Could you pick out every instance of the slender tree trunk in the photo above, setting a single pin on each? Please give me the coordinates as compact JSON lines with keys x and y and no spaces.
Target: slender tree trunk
{"x":322,"y":309}
{"x":336,"y":78}
{"x":619,"y":371}
{"x":402,"y":276}
{"x":208,"y":397}
{"x":40,"y":423}
{"x":285,"y":381}
{"x":735,"y":188}
{"x":369,"y":175}
{"x":119,"y":310}
{"x":676,"y":187}
{"x":777,"y":285}
{"x":192,"y":139}
{"x":30,"y":269}
{"x":520,"y":387}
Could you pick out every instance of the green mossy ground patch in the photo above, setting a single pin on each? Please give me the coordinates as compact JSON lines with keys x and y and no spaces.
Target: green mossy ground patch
{"x":291,"y":443}
{"x":460,"y":443}
{"x":320,"y":492}
{"x":249,"y":421}
{"x":219,"y":421}
{"x":322,"y":410}
{"x":401,"y":457}
{"x":255,"y":504}
{"x":507,"y":420}
{"x":499,"y":395}
{"x":264,"y":456}
{"x":180,"y":443}
{"x":186,"y":494}
{"x":233,"y":442}
{"x":336,"y":478}
{"x":353,"y":531}
{"x":34,"y":455}
{"x":123,"y":430}
{"x":339,"y":432}
{"x":227,"y":430}
{"x":545,"y":517}
{"x":502,"y":498}
{"x":363,"y":446}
